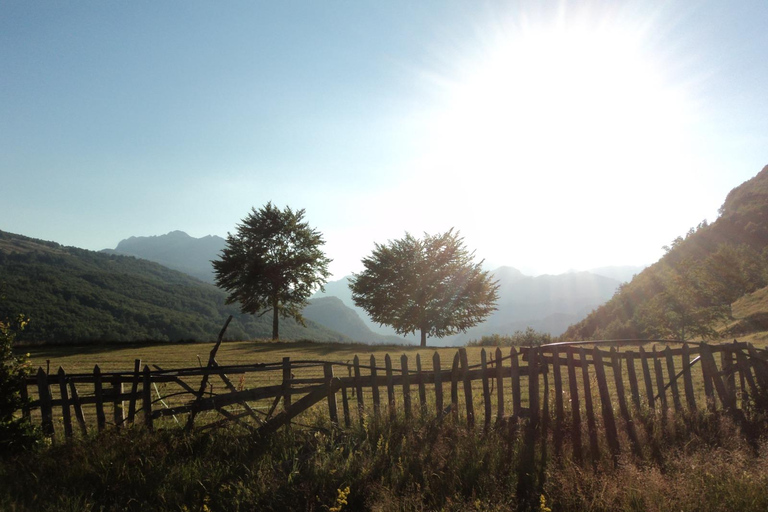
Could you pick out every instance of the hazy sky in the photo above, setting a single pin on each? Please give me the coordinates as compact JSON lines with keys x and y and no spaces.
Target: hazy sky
{"x":553,"y":135}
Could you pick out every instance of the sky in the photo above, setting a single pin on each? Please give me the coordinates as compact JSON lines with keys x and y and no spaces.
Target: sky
{"x":554,"y":136}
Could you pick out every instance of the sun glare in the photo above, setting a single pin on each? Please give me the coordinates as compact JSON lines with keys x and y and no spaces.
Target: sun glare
{"x":547,"y":114}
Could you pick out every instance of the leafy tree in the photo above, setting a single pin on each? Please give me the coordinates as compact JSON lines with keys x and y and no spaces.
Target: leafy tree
{"x":273,"y":263}
{"x":429,"y":285}
{"x":15,"y":433}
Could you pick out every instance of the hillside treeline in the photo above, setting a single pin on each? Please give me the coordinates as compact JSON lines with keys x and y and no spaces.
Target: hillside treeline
{"x":72,"y":294}
{"x":688,"y":293}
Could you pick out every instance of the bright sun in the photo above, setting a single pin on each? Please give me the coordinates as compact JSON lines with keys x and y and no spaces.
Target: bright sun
{"x":546,"y":114}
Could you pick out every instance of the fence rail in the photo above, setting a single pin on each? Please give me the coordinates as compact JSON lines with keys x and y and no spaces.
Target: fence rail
{"x":563,"y":384}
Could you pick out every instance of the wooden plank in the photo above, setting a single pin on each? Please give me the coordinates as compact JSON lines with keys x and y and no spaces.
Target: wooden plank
{"x":286,"y":382}
{"x":333,"y":413}
{"x":486,"y":390}
{"x":746,"y":373}
{"x":406,"y":385}
{"x":65,"y":412}
{"x":147,"y":398}
{"x":470,"y":404}
{"x":499,"y":386}
{"x":623,"y":407}
{"x":78,"y":408}
{"x":609,"y":420}
{"x":455,"y":387}
{"x":690,"y":397}
{"x":719,"y":386}
{"x":44,"y":394}
{"x":634,"y":389}
{"x":672,"y":374}
{"x":559,"y":408}
{"x":345,"y":407}
{"x":662,"y":396}
{"x":533,"y":388}
{"x":375,"y":389}
{"x":728,"y":370}
{"x":422,"y":388}
{"x":297,"y":408}
{"x":98,"y":392}
{"x":575,"y":407}
{"x":760,"y":366}
{"x":594,"y":447}
{"x":437,"y":372}
{"x":134,"y":390}
{"x":706,"y":371}
{"x":647,"y":378}
{"x":231,"y":387}
{"x":390,"y":387}
{"x":359,"y":390}
{"x":515,"y":374}
{"x":204,"y":380}
{"x":118,"y":411}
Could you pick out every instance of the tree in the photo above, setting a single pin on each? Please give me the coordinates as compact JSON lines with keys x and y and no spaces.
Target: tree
{"x":429,"y":285}
{"x":273,"y":263}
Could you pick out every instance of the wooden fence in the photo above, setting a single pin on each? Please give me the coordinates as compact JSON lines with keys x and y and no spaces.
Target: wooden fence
{"x":553,"y":389}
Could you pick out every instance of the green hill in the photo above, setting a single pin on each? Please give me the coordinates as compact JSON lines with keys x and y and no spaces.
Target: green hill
{"x":75,"y":295}
{"x":692,"y":290}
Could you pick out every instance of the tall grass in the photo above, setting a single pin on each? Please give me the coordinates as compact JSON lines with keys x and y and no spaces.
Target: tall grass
{"x":384,"y":465}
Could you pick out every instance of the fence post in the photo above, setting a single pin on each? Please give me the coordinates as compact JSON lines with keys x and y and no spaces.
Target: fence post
{"x":345,"y":407}
{"x":390,"y":387}
{"x":375,"y":389}
{"x":633,"y":387}
{"x":499,"y":386}
{"x":660,"y":384}
{"x":729,"y":377}
{"x":467,"y":388}
{"x":406,"y":385}
{"x":515,"y":374}
{"x":623,"y":408}
{"x":65,"y":412}
{"x":286,"y":383}
{"x":706,"y":371}
{"x":78,"y":407}
{"x":605,"y":402}
{"x":673,"y":379}
{"x":559,"y":408}
{"x":98,"y":392}
{"x":455,"y":387}
{"x":134,"y":390}
{"x":486,"y":389}
{"x":146,"y":389}
{"x":359,"y":390}
{"x":647,"y":379}
{"x":437,"y":370}
{"x":533,"y":386}
{"x":594,"y":447}
{"x":117,"y":393}
{"x":687,"y":380}
{"x":328,"y":377}
{"x":422,"y":389}
{"x":575,"y":408}
{"x":46,"y":410}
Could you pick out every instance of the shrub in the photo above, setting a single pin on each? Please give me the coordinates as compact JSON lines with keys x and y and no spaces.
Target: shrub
{"x":529,"y":338}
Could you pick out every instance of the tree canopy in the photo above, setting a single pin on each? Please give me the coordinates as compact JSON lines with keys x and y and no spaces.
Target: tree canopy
{"x":429,"y":285}
{"x":272,"y":263}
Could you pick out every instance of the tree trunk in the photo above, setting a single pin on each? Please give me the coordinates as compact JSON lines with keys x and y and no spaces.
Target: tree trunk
{"x":275,"y":335}
{"x":423,"y":338}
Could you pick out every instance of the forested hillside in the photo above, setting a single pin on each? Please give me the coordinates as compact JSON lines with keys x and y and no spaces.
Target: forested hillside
{"x":75,"y":295}
{"x":689,"y":292}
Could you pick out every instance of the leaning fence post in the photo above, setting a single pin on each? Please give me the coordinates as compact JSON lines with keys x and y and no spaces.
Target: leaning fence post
{"x":134,"y":390}
{"x":687,"y":380}
{"x":673,"y":379}
{"x":605,"y":401}
{"x":647,"y":378}
{"x":328,"y":376}
{"x":65,"y":412}
{"x":78,"y":408}
{"x":46,"y":411}
{"x":594,"y":447}
{"x":633,"y":387}
{"x":575,"y":408}
{"x":660,"y":383}
{"x":623,"y":408}
{"x":706,"y":371}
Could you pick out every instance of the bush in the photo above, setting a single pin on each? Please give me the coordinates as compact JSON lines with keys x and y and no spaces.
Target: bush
{"x":15,"y":433}
{"x":529,"y":338}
